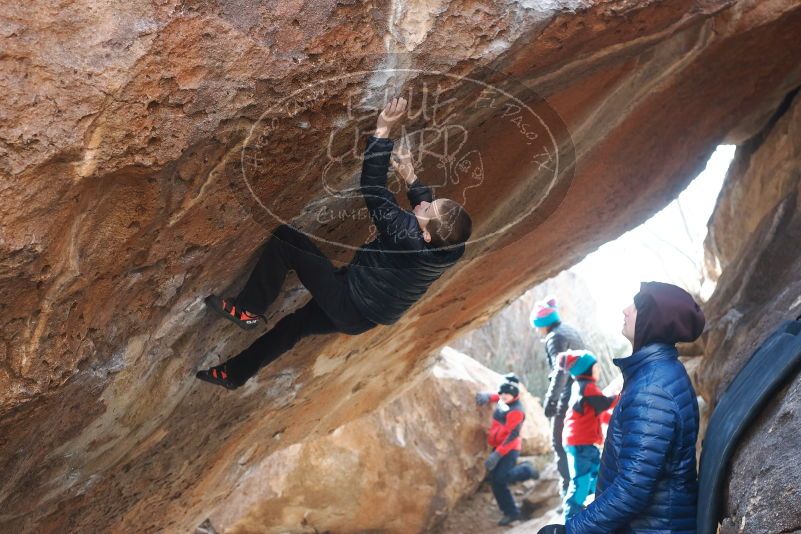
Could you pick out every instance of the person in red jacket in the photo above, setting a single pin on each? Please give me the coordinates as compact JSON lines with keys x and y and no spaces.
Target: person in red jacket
{"x":504,"y":438}
{"x":582,"y":431}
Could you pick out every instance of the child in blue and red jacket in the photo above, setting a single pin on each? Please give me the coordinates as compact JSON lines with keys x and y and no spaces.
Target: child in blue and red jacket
{"x":582,"y":431}
{"x":504,"y":438}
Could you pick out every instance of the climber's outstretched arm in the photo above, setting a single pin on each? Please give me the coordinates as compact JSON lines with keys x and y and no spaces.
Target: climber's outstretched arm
{"x":393,"y":223}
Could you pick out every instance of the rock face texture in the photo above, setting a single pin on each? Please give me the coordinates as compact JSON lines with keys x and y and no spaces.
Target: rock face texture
{"x":394,"y":469}
{"x":756,"y":229}
{"x":147,"y":149}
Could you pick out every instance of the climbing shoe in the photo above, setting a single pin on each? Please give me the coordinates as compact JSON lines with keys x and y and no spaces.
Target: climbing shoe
{"x":218,"y":376}
{"x":228,"y":308}
{"x":508,"y":520}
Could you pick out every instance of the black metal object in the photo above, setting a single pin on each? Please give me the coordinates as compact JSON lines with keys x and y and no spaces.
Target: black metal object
{"x":774,"y":364}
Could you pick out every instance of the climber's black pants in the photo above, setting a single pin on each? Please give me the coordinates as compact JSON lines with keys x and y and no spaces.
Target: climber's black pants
{"x":330,"y":310}
{"x":508,"y":472}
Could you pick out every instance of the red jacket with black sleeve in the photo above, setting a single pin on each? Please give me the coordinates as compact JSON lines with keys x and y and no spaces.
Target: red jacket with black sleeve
{"x":587,"y":405}
{"x":504,"y":434}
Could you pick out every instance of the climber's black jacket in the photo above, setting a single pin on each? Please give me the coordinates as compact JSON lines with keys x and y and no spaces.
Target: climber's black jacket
{"x":391,"y":272}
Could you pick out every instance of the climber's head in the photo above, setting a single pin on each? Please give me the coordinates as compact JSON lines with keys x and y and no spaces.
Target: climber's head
{"x":444,"y":222}
{"x":509,"y":391}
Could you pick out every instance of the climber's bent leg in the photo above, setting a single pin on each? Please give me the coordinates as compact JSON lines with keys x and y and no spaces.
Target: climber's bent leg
{"x":308,"y":320}
{"x":500,"y":484}
{"x":330,"y":310}
{"x":522,"y":472}
{"x":287,"y":249}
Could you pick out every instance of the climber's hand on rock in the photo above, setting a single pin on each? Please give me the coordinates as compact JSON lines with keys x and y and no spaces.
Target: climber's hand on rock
{"x":482,"y":399}
{"x":402,"y":163}
{"x":552,"y":529}
{"x":492,"y":461}
{"x":390,"y":115}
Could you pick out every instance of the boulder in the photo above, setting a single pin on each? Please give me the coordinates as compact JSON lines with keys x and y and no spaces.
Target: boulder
{"x":544,"y":495}
{"x":401,"y":467}
{"x":757,"y":228}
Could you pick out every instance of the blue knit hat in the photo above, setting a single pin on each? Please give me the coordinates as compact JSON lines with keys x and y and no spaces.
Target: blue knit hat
{"x":545,"y":314}
{"x":578,"y":363}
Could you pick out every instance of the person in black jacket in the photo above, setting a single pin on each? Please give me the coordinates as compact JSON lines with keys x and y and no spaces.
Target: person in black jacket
{"x":558,"y":338}
{"x":386,"y":277}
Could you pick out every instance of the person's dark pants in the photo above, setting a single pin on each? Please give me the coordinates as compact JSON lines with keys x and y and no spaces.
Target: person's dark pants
{"x":557,"y":427}
{"x":330,"y":310}
{"x":505,"y":473}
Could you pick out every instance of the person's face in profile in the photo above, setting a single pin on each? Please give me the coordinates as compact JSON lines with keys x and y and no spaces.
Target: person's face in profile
{"x":543,"y":331}
{"x":629,"y":320}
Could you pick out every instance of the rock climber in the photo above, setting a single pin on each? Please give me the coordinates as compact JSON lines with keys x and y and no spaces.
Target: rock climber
{"x":504,"y":438}
{"x":648,"y":480}
{"x":386,"y":276}
{"x":558,"y":337}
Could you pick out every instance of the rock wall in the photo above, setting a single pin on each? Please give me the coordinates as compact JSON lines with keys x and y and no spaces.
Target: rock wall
{"x":127,"y":130}
{"x":756,"y":228}
{"x":398,"y":468}
{"x":763,"y":172}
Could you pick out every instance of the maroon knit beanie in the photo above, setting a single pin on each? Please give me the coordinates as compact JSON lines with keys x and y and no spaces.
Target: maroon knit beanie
{"x":666,"y":314}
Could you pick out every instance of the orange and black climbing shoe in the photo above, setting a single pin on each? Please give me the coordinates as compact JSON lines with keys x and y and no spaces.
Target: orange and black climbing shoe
{"x":228,"y":308}
{"x":217,"y":375}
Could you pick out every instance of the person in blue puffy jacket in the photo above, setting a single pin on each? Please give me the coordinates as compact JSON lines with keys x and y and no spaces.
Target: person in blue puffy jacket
{"x":647,"y":483}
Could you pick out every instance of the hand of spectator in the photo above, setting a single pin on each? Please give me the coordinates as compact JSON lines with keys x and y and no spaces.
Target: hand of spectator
{"x":550,"y":411}
{"x":391,"y":114}
{"x":482,"y":399}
